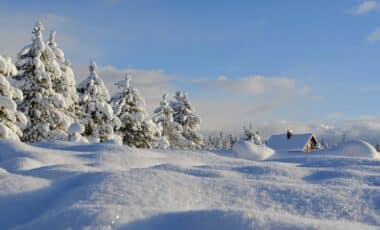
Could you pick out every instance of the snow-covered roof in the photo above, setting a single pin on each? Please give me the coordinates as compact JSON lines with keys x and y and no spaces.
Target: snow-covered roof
{"x":297,"y":142}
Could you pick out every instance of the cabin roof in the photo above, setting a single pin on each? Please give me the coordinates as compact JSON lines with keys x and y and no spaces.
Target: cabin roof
{"x":297,"y":142}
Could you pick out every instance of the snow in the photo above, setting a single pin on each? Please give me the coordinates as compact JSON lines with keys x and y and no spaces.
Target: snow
{"x":8,"y":103}
{"x":134,"y":126}
{"x":95,"y":113}
{"x":43,"y":106}
{"x":297,"y":142}
{"x":76,"y":128}
{"x":6,"y":66}
{"x":358,"y":148}
{"x":251,"y":151}
{"x":105,"y":186}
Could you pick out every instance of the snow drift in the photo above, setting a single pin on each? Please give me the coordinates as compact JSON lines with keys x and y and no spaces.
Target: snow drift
{"x":106,"y":186}
{"x":357,"y":149}
{"x":251,"y":151}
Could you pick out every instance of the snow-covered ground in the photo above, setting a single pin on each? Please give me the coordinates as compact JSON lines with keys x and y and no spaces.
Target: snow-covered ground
{"x":104,"y":186}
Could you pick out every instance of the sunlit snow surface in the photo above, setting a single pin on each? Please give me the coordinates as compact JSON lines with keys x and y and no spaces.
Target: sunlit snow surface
{"x":104,"y":186}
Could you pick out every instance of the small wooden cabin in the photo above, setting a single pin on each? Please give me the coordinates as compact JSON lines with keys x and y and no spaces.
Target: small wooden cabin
{"x":289,"y":142}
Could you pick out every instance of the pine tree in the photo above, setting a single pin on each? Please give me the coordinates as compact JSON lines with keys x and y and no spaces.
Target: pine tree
{"x":12,"y":122}
{"x":171,"y":132}
{"x":137,"y":129}
{"x":96,"y":114}
{"x":42,"y":105}
{"x":251,"y":135}
{"x":185,"y":116}
{"x":65,"y":83}
{"x":231,"y":141}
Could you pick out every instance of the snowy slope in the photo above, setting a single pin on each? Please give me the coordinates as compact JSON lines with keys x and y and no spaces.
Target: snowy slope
{"x":104,"y":186}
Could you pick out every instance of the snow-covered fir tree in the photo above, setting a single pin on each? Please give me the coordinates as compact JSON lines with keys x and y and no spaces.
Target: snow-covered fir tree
{"x":251,"y":135}
{"x":171,"y":131}
{"x":97,"y":115}
{"x":185,"y":116}
{"x":37,"y":68}
{"x":75,"y":133}
{"x":137,"y":129}
{"x":220,"y":142}
{"x":65,"y":83}
{"x":12,"y":122}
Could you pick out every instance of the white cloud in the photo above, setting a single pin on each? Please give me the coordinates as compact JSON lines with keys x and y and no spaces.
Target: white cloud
{"x":253,"y":85}
{"x":366,"y":128}
{"x":366,"y":7}
{"x":231,"y":103}
{"x":374,"y":36}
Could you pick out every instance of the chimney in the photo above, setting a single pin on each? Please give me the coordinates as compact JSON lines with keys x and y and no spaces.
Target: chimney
{"x":289,"y":133}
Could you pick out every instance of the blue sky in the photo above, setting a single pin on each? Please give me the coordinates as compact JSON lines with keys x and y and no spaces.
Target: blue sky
{"x":330,"y":50}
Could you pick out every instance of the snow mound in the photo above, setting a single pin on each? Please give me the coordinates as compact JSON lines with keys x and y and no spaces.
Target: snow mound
{"x":21,"y":164}
{"x":250,"y":151}
{"x":203,"y":219}
{"x":76,"y":128}
{"x":3,"y":171}
{"x":357,"y":148}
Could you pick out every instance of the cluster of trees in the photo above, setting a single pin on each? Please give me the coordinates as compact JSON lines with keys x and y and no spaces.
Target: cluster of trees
{"x":40,"y":101}
{"x":224,"y":141}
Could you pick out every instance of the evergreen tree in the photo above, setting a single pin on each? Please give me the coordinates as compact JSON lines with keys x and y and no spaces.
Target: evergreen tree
{"x":231,"y":141}
{"x":171,"y":132}
{"x":185,"y":116}
{"x":37,"y":68}
{"x":209,"y":143}
{"x":65,"y":83}
{"x":96,"y":114}
{"x":137,"y":129}
{"x":220,"y":142}
{"x":251,"y":135}
{"x":12,"y":122}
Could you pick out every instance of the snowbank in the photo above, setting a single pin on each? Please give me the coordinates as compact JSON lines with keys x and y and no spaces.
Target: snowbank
{"x":105,"y":186}
{"x":357,"y":148}
{"x":251,"y":151}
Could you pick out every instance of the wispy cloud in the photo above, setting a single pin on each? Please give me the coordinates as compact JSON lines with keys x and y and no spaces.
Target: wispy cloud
{"x":366,"y":7}
{"x":253,"y":85}
{"x":374,"y":36}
